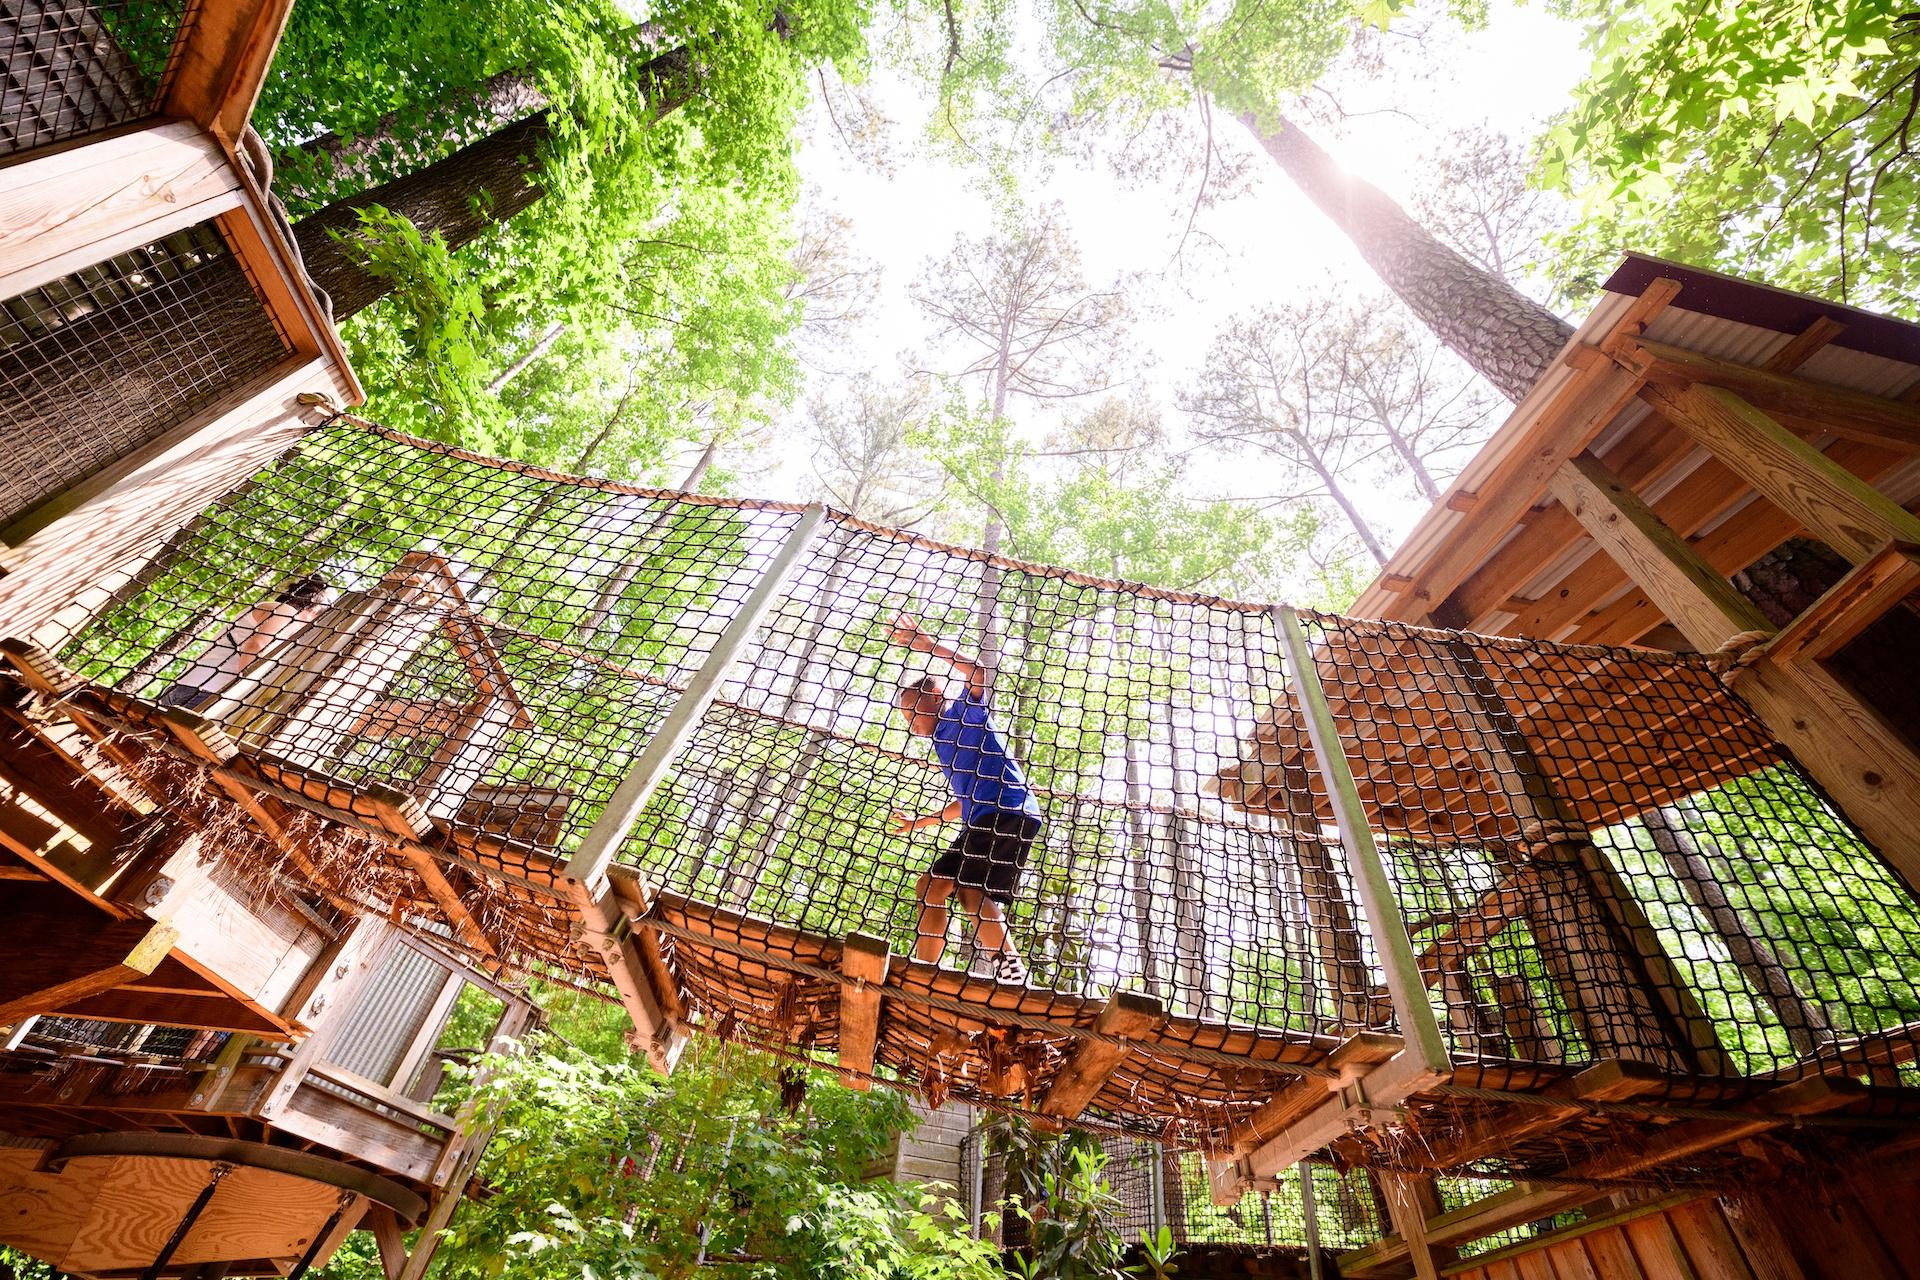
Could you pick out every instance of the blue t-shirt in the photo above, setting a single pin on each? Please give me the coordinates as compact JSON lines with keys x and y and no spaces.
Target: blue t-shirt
{"x":984,"y":776}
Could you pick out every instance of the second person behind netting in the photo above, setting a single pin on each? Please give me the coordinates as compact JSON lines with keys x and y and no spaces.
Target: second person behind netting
{"x":231,"y":652}
{"x":998,"y":815}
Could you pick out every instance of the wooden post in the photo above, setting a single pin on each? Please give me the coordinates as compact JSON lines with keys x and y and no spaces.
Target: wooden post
{"x":1832,"y":503}
{"x":217,"y":74}
{"x":1161,"y":979}
{"x":63,"y":954}
{"x":1079,"y":1081}
{"x":1702,"y":603}
{"x":1389,"y":929}
{"x":605,"y":928}
{"x":1420,"y":1057}
{"x":1841,"y":740}
{"x":863,"y":965}
{"x":1627,"y":996}
{"x":1411,"y":1200}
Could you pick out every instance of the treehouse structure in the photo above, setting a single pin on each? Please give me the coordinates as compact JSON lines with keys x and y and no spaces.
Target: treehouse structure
{"x":207,"y":1069}
{"x":1517,"y":925}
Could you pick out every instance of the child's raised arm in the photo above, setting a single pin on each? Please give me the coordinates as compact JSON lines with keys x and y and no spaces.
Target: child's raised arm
{"x":910,"y":634}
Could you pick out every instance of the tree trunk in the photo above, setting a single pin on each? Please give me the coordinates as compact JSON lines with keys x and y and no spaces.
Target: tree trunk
{"x":1508,"y":338}
{"x":331,"y":163}
{"x":461,"y":197}
{"x":1331,"y":483}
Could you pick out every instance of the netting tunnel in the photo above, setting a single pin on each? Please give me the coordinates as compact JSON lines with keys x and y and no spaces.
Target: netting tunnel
{"x":1605,"y":887}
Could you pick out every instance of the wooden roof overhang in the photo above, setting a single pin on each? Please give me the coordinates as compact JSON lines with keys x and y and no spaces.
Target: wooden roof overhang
{"x":1499,"y":554}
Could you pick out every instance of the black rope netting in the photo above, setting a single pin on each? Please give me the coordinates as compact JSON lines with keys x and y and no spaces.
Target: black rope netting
{"x":1155,"y":1188}
{"x":1599,"y":854}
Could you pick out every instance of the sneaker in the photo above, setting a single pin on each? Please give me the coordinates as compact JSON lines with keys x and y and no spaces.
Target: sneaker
{"x":1009,"y":970}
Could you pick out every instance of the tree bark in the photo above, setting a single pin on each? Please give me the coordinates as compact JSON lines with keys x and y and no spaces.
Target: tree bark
{"x":1508,"y":338}
{"x":332,"y":162}
{"x":465,"y":195}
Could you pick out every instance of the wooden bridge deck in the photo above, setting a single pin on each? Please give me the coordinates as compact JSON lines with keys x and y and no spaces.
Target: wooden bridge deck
{"x":1225,"y":1087}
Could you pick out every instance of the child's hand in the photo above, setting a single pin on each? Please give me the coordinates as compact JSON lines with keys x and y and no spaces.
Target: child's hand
{"x":905,"y":631}
{"x":901,"y":823}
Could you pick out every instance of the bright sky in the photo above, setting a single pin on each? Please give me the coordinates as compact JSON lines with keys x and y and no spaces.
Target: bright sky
{"x":1267,"y":247}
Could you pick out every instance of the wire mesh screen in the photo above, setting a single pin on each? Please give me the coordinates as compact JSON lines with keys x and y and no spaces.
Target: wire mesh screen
{"x":1600,"y":854}
{"x":73,"y":68}
{"x":100,"y":362}
{"x":1155,"y":1186}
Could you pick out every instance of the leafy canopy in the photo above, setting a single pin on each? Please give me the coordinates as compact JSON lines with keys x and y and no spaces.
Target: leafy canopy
{"x":661,"y":242}
{"x":1774,"y":137}
{"x":600,"y":1167}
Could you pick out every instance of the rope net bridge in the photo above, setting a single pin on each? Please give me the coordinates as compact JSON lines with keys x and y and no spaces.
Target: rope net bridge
{"x":1306,"y":884}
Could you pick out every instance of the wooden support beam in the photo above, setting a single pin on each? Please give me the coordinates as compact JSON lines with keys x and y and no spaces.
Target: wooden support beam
{"x":401,"y":814}
{"x":70,"y":209}
{"x":1648,"y":453}
{"x":1681,"y":1141}
{"x":863,"y":968}
{"x":1701,"y":602}
{"x":60,"y":951}
{"x":1501,"y":1129}
{"x":1791,"y":399}
{"x":1742,"y":534}
{"x":1352,"y":1058}
{"x":1581,"y":410}
{"x":1865,"y":763}
{"x":609,"y":936}
{"x":1850,"y":606}
{"x":217,"y":73}
{"x":1832,"y":503}
{"x":1411,"y":1200}
{"x":1126,"y":1015}
{"x":387,"y":1238}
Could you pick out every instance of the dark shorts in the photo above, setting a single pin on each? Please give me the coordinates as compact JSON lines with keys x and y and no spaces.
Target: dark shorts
{"x":989,"y":853}
{"x":187,"y":697}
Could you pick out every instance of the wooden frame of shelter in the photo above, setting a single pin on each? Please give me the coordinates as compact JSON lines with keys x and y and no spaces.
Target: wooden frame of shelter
{"x":223,"y":1073}
{"x":1694,"y":423}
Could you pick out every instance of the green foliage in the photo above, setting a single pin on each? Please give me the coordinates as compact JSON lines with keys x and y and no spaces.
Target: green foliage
{"x":601,"y":1168}
{"x":15,"y":1265}
{"x":659,"y":249}
{"x":1056,"y":1185}
{"x":1135,"y":58}
{"x":1098,"y":518}
{"x":1774,"y":137}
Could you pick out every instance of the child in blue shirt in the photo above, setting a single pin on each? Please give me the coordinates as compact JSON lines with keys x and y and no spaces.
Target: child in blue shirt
{"x":999,"y":817}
